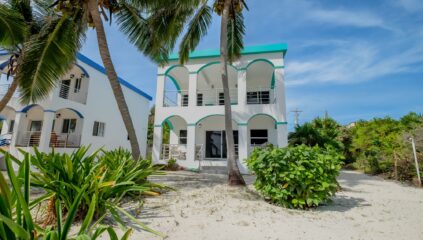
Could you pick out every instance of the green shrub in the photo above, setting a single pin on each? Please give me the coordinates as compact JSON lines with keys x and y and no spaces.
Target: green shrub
{"x":16,"y":221}
{"x":109,"y":176}
{"x":296,"y":177}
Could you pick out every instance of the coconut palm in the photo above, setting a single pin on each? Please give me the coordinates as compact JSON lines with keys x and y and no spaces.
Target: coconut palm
{"x":151,"y":25}
{"x":231,"y":45}
{"x":31,"y":34}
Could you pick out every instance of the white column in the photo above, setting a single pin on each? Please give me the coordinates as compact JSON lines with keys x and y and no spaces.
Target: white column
{"x":191,"y":144}
{"x":157,"y":143}
{"x":243,"y":142}
{"x":160,"y":91}
{"x":192,"y":90}
{"x":280,"y":94}
{"x":242,"y":87}
{"x":282,"y":132}
{"x":17,"y":128}
{"x":5,"y":126}
{"x":46,"y":131}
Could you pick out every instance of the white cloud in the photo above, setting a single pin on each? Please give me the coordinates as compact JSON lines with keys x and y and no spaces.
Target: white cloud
{"x":411,"y":5}
{"x":353,"y":62}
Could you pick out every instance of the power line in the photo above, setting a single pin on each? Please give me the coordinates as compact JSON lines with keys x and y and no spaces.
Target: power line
{"x":297,"y":116}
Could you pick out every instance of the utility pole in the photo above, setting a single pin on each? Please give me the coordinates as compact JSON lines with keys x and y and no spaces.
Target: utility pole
{"x":415,"y":159}
{"x":297,"y":116}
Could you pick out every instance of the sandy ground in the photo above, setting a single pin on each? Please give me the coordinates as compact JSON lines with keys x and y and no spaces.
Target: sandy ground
{"x":203,"y":207}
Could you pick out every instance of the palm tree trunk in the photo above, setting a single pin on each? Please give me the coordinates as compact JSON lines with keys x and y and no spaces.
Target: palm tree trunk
{"x":9,"y":94}
{"x":113,"y":78}
{"x":234,"y":175}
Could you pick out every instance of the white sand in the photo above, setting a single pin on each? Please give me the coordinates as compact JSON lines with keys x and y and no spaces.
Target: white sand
{"x":205,"y":208}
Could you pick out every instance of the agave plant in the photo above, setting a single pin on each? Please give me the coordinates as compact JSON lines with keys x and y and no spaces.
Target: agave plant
{"x":16,"y":221}
{"x":109,"y":177}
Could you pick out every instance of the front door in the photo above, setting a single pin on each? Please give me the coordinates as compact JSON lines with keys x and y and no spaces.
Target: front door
{"x":216,"y":144}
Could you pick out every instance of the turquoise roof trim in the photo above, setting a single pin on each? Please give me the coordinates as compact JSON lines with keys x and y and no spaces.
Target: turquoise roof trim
{"x":101,"y":69}
{"x":270,"y":48}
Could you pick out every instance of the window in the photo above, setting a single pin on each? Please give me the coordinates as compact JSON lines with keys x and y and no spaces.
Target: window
{"x":199,"y":99}
{"x":11,"y":126}
{"x":182,"y":136}
{"x":221,"y":99}
{"x":69,"y":125}
{"x":258,"y":137}
{"x":184,"y":100}
{"x":262,"y":97}
{"x":77,"y":85}
{"x":64,"y":89}
{"x":35,"y":126}
{"x":98,"y":129}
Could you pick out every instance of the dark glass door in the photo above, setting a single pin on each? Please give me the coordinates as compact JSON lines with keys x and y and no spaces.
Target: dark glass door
{"x":216,"y":144}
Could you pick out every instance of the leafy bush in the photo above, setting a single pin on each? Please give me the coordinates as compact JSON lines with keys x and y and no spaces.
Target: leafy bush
{"x":16,"y":221}
{"x":296,"y":177}
{"x":109,"y":176}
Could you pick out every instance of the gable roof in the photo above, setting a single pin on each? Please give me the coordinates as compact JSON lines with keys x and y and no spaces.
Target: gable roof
{"x":97,"y":67}
{"x":248,"y":50}
{"x":122,"y":81}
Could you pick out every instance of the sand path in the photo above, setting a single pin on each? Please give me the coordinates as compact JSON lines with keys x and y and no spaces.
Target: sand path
{"x":205,"y":208}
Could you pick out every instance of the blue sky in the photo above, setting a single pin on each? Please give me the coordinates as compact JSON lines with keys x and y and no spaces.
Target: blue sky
{"x":354,"y":59}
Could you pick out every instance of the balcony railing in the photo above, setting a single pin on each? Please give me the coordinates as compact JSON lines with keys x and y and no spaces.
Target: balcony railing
{"x":175,"y":98}
{"x":65,"y":140}
{"x":260,"y":95}
{"x":214,"y":97}
{"x":28,"y":139}
{"x":179,"y":152}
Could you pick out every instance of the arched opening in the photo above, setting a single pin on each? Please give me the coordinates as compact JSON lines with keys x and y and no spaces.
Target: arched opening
{"x":30,"y":126}
{"x":210,"y":134}
{"x":260,"y":82}
{"x":7,"y":117}
{"x":176,"y":87}
{"x":210,"y":88}
{"x":261,"y":131}
{"x":67,"y":128}
{"x":174,"y":138}
{"x":74,"y":85}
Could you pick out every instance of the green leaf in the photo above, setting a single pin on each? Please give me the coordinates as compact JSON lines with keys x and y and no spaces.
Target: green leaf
{"x":13,"y":28}
{"x":16,"y":228}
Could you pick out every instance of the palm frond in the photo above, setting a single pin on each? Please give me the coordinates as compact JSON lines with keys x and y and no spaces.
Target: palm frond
{"x":139,"y":33}
{"x":236,"y":31}
{"x":197,"y":29}
{"x":47,"y":56}
{"x":13,"y":28}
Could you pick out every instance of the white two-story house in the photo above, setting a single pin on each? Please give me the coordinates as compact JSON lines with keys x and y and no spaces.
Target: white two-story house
{"x":189,"y":100}
{"x":81,"y":110}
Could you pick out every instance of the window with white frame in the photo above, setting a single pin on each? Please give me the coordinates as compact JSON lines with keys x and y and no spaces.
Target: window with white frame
{"x":98,"y":129}
{"x":77,"y":87}
{"x":258,"y":136}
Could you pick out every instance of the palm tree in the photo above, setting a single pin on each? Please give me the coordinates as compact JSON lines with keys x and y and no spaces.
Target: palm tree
{"x":152,"y":26}
{"x":231,"y":45}
{"x":31,"y":34}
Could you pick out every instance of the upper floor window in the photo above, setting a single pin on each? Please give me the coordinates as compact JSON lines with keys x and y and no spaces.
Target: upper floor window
{"x":11,"y":126}
{"x":77,"y":85}
{"x":259,"y":97}
{"x":69,"y":125}
{"x":98,"y":129}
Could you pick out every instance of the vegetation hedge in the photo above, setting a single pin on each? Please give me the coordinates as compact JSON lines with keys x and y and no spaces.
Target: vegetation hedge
{"x":296,"y":177}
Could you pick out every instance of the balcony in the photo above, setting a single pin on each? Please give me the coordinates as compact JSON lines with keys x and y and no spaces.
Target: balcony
{"x":28,"y":138}
{"x":65,"y":140}
{"x":74,"y":94}
{"x":214,"y":97}
{"x":175,"y":98}
{"x":260,"y":95}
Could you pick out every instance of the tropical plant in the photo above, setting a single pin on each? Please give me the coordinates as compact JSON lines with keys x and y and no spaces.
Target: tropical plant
{"x":152,"y":26}
{"x":41,"y":44}
{"x":16,"y":221}
{"x":296,"y":177}
{"x":109,"y":177}
{"x":232,"y":30}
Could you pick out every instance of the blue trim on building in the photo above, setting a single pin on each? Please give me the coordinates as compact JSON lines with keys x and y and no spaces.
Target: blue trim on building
{"x":3,"y":65}
{"x":101,"y":69}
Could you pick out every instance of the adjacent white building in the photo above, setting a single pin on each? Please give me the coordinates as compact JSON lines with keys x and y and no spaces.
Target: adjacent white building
{"x":81,"y":110}
{"x":189,"y":99}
